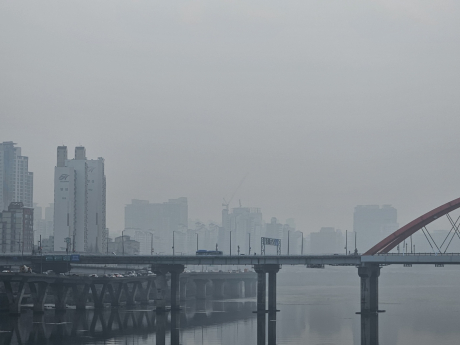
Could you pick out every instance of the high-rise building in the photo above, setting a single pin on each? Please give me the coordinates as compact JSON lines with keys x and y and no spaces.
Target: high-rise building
{"x":161,"y":219}
{"x":16,"y":181}
{"x":79,"y":203}
{"x":242,"y":222}
{"x":372,"y":224}
{"x":16,"y":229}
{"x":43,"y":227}
{"x":327,"y":241}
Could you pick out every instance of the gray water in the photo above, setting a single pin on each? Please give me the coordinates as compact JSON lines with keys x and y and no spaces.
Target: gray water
{"x":317,"y":306}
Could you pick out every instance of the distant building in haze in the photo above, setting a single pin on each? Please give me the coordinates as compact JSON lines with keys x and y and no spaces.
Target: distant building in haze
{"x":242,"y":222}
{"x":16,"y":229}
{"x":160,"y":218}
{"x":43,"y":226}
{"x":373,"y":223}
{"x":327,"y":241}
{"x":79,"y":202}
{"x":16,"y":181}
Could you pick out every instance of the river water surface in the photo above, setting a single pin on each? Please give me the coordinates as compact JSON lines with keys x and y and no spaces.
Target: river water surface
{"x":317,"y":306}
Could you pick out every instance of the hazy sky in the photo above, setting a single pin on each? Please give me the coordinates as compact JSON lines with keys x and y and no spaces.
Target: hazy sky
{"x":324,"y":105}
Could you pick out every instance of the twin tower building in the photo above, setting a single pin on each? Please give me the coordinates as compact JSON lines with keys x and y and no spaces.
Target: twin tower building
{"x":79,"y":203}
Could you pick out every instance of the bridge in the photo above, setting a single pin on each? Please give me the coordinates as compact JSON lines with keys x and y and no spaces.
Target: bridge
{"x":369,"y":264}
{"x":133,"y":290}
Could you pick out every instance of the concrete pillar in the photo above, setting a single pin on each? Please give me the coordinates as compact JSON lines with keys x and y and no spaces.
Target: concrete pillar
{"x":130,"y":293}
{"x":369,"y":329}
{"x":39,"y":291}
{"x":80,"y":296}
{"x":175,"y":271}
{"x":218,"y":288}
{"x":272,"y":271}
{"x":98,"y":298}
{"x":200,"y":288}
{"x":144,"y":291}
{"x":115,"y":290}
{"x":60,"y":296}
{"x":14,"y":301}
{"x":160,"y":285}
{"x":183,"y":289}
{"x":369,"y":274}
{"x":234,"y":288}
{"x":261,"y":288}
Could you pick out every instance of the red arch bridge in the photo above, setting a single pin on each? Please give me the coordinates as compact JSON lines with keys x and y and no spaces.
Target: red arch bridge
{"x":368,"y":264}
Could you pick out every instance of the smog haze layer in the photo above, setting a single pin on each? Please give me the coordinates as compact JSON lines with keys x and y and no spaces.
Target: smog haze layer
{"x":322,"y":105}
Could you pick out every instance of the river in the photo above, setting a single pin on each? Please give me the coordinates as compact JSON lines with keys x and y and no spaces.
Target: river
{"x":316,"y":306}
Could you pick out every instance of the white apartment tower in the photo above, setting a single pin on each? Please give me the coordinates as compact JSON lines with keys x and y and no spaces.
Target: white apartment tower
{"x":16,"y":182}
{"x":79,"y":203}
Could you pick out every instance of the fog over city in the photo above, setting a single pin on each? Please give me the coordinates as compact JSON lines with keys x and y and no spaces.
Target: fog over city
{"x":318,"y":105}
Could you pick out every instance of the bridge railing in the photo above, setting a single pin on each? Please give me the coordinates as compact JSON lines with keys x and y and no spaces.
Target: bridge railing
{"x":417,"y":254}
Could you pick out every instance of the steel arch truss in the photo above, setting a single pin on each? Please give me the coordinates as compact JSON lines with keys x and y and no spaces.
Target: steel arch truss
{"x":409,"y":229}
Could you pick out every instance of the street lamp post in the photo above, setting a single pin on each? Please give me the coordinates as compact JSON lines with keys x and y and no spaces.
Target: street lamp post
{"x":288,"y":242}
{"x":123,"y":241}
{"x":301,"y":246}
{"x":230,"y":243}
{"x":173,"y":242}
{"x":151,"y":243}
{"x":249,"y":243}
{"x":197,"y":242}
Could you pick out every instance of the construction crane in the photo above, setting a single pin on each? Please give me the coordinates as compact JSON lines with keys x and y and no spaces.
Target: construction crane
{"x":225,"y":203}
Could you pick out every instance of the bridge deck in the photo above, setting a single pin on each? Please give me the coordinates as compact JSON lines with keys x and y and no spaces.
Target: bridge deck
{"x":336,"y":260}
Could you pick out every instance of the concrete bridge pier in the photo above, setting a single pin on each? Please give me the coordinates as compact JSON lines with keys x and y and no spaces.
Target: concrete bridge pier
{"x":261,"y":289}
{"x":234,"y":288}
{"x":144,"y":291}
{"x":14,"y":297}
{"x":272,"y":271}
{"x":98,"y":298}
{"x":60,"y":296}
{"x":250,"y":288}
{"x":200,"y":288}
{"x":80,"y":296}
{"x":130,"y":292}
{"x":261,"y":271}
{"x":39,"y":291}
{"x":218,"y":288}
{"x":369,"y":274}
{"x":175,"y":271}
{"x":115,"y":290}
{"x":160,"y":285}
{"x":183,"y":289}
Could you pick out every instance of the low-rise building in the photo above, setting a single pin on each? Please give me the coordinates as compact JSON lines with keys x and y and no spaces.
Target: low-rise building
{"x":16,"y":229}
{"x":124,"y":245}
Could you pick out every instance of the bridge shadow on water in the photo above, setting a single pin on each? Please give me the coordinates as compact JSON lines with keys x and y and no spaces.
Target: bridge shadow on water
{"x":97,"y":326}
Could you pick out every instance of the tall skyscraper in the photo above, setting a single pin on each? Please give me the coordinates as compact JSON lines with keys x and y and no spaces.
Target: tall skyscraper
{"x":16,"y":182}
{"x":373,"y":223}
{"x":79,"y":203}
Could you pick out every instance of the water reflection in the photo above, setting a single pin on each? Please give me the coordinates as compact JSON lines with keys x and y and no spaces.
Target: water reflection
{"x":224,"y":317}
{"x":94,"y":326}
